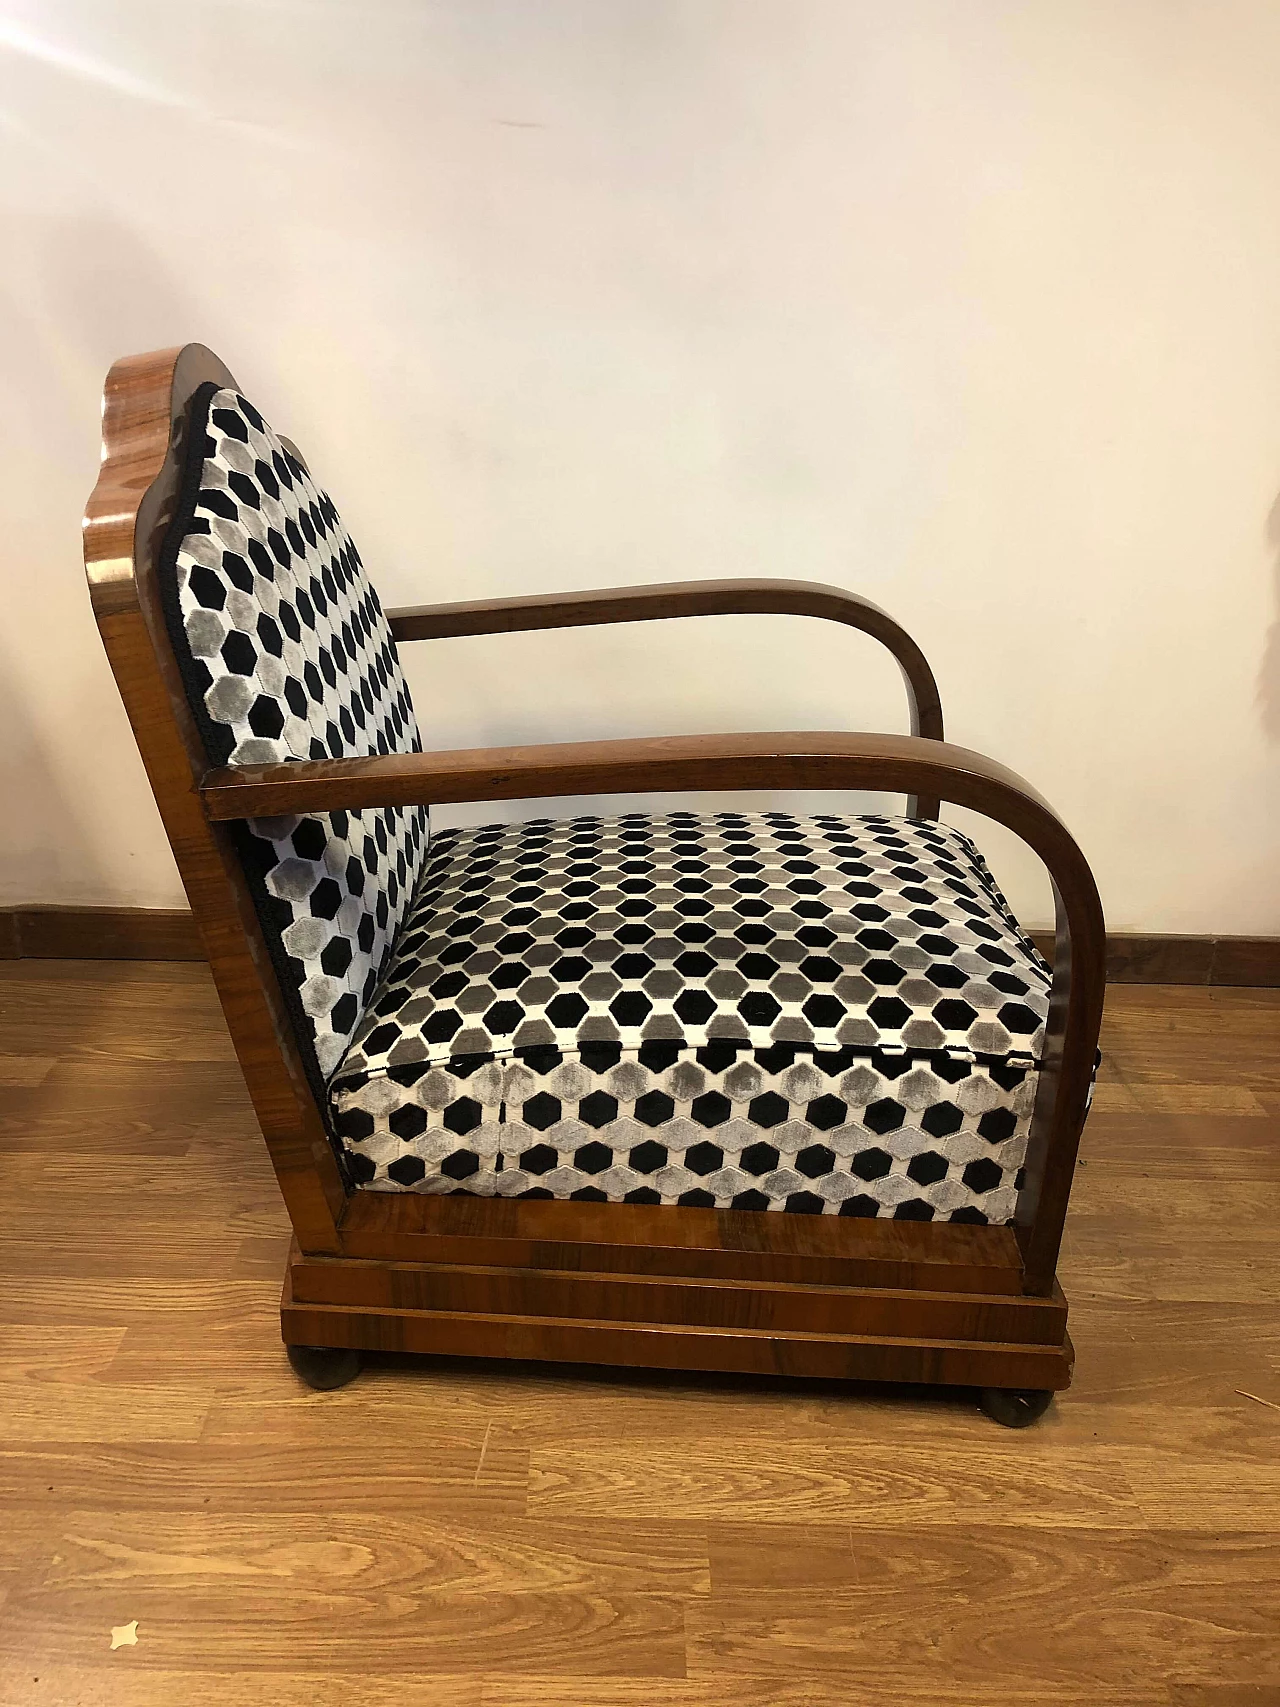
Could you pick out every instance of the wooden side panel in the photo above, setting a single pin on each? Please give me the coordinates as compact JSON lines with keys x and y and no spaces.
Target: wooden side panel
{"x":695,"y":1302}
{"x":712,"y":1243}
{"x":670,"y":1346}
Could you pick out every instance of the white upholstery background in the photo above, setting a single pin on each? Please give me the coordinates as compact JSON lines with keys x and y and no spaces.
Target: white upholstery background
{"x":973,"y":307}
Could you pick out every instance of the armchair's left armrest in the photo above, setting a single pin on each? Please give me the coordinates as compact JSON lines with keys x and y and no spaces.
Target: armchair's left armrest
{"x":888,"y":763}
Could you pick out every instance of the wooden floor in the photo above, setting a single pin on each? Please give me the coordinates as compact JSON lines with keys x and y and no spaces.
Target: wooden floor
{"x":495,"y":1536}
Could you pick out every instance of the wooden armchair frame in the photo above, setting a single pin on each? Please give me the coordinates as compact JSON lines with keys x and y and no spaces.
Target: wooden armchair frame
{"x":572,"y":1281}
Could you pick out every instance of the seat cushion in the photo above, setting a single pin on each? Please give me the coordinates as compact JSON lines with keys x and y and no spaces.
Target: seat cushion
{"x":829,"y":1015}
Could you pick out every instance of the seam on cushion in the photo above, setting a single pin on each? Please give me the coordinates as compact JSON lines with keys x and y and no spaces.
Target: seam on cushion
{"x":399,"y":1074}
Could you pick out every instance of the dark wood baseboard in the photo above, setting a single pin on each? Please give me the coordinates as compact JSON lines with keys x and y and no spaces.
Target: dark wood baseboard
{"x":1137,"y":958}
{"x":149,"y":933}
{"x":98,"y":933}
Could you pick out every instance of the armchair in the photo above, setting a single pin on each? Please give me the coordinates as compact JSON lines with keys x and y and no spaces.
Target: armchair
{"x":699,"y":1090}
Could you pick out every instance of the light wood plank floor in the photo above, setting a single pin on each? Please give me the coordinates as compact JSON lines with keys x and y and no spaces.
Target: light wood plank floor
{"x":488,"y":1536}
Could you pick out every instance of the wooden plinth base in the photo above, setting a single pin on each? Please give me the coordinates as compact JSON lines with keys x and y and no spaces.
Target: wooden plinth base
{"x":957,"y":1322}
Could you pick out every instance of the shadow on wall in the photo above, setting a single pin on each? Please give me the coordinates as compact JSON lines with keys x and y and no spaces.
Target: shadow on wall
{"x":1269,"y":672}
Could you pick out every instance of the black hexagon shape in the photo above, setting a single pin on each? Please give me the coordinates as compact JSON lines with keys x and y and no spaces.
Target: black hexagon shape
{"x":819,"y":969}
{"x":815,"y":936}
{"x":643,"y":1194}
{"x":598,"y":1109}
{"x":696,"y":1200}
{"x":503,"y":1018}
{"x":570,"y":969}
{"x":654,"y":1108}
{"x":438,"y":1027}
{"x":884,"y":1115}
{"x":694,"y":1007}
{"x":265,"y":716}
{"x":760,"y":1159}
{"x":593,"y":1158}
{"x":954,"y":1015}
{"x":982,"y":1175}
{"x":750,"y":1199}
{"x":541,"y":1111}
{"x":888,"y":1013}
{"x":927,"y":1168}
{"x":356,"y":1124}
{"x":824,"y":1012}
{"x":941,"y":1119}
{"x":865,"y":1208}
{"x":207,"y":587}
{"x":407,"y":1170}
{"x":310,"y":839}
{"x":711,"y":1109}
{"x":539,"y":1160}
{"x":1019,"y":1019}
{"x":463,"y":1116}
{"x":335,"y":957}
{"x":883,"y":972}
{"x":634,"y":966}
{"x":460,"y":1165}
{"x":915,"y":1209}
{"x":945,"y":976}
{"x":758,"y":1007}
{"x":566,"y":1010}
{"x":694,"y":964}
{"x":326,"y":898}
{"x":815,"y":1160}
{"x":826,"y":1112}
{"x":804,"y":1203}
{"x":768,"y":1109}
{"x":871,"y":1164}
{"x":409,"y":1121}
{"x":761,"y":967}
{"x":239,"y":653}
{"x":997,"y":1124}
{"x":704,"y":1157}
{"x":648,"y":1157}
{"x":631,"y":1007}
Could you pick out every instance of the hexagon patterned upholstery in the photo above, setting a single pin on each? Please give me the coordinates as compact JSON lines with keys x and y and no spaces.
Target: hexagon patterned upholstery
{"x":285,"y":654}
{"x":826,"y":1015}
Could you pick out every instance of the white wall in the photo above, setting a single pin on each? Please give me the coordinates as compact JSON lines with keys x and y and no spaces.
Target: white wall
{"x":972,"y":306}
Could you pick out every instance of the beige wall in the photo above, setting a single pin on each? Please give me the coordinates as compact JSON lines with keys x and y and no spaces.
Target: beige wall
{"x":974,"y":307}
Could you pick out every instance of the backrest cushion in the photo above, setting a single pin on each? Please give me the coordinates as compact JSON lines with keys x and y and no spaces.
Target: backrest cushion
{"x":286,"y":654}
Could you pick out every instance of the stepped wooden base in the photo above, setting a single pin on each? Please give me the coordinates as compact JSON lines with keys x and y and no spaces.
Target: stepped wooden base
{"x":689,"y":1290}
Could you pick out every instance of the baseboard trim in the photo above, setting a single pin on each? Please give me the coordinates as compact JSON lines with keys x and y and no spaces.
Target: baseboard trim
{"x":1135,"y":958}
{"x":98,"y":933}
{"x":150,"y":933}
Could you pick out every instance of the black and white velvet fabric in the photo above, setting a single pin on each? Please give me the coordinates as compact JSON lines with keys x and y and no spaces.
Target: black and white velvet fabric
{"x":827,"y":1015}
{"x":286,"y":655}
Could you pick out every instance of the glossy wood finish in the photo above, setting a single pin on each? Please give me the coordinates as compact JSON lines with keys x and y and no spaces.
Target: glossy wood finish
{"x":525,"y":1535}
{"x":670,"y":599}
{"x":554,"y":1305}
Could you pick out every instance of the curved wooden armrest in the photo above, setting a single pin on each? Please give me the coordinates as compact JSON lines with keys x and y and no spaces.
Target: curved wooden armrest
{"x":892,"y":763}
{"x":692,"y":598}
